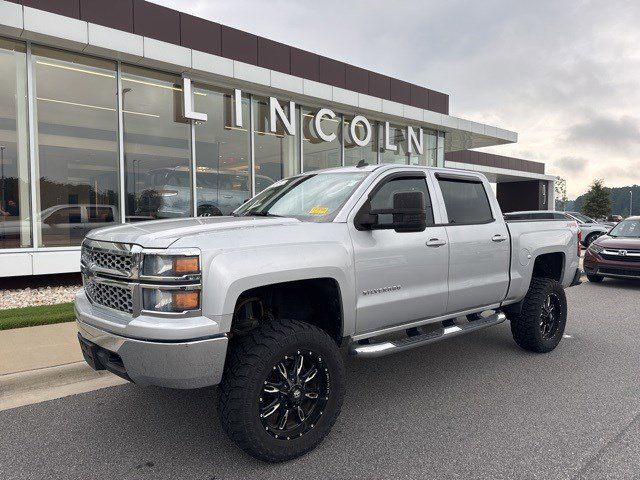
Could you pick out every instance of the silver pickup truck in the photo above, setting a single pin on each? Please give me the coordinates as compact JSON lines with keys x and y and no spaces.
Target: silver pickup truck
{"x":366,"y":260}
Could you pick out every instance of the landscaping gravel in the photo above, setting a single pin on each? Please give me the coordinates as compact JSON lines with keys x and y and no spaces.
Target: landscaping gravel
{"x":30,"y":297}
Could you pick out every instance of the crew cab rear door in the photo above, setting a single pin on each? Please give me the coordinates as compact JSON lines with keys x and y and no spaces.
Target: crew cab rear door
{"x":400,"y":276}
{"x":479,"y":243}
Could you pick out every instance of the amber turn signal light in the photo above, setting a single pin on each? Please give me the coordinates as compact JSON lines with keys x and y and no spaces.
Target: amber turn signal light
{"x":184,"y":265}
{"x":188,"y":300}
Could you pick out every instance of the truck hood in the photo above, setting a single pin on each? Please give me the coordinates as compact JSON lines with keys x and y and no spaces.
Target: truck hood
{"x":163,"y":233}
{"x":618,"y":242}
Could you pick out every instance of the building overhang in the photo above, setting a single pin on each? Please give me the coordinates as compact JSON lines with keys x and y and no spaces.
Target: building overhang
{"x":21,"y":22}
{"x":501,"y":175}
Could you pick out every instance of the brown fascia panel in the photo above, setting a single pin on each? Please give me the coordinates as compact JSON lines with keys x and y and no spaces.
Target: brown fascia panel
{"x":155,"y":21}
{"x":200,"y":34}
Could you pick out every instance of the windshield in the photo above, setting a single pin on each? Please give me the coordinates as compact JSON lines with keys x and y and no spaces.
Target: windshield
{"x":582,"y":218}
{"x":626,"y":228}
{"x":312,"y":198}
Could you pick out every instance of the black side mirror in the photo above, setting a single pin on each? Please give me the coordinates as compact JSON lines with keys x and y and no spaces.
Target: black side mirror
{"x":407,"y":215}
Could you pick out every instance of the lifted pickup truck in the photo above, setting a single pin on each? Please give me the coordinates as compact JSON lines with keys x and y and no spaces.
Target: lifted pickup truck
{"x":370,"y":260}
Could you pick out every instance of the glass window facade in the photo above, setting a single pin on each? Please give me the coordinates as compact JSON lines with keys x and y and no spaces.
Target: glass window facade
{"x":354,"y":153}
{"x":429,"y":155}
{"x":317,"y":153}
{"x":15,"y":228}
{"x":277,"y":155}
{"x":99,"y":125}
{"x":77,"y":145}
{"x":222,"y":153}
{"x":157,"y":150}
{"x":397,"y":137}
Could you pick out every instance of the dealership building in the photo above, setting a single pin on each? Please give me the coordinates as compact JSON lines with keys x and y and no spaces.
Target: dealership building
{"x":123,"y":111}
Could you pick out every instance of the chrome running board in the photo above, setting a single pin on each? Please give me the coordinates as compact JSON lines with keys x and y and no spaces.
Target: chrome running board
{"x":394,"y":346}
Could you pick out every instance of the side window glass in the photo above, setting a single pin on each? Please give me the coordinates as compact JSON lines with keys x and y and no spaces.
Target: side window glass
{"x":466,"y":202}
{"x":383,"y":198}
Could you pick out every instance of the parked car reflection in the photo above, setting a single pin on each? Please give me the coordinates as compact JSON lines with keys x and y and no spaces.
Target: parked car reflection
{"x":167,"y":192}
{"x":62,"y":224}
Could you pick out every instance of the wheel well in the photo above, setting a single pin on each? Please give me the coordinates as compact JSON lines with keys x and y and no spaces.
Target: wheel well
{"x":316,"y":301}
{"x":549,"y":265}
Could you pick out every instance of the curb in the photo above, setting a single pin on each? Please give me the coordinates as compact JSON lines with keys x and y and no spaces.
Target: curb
{"x":34,"y":386}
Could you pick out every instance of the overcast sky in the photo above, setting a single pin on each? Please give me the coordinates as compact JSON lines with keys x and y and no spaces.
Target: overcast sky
{"x":564,"y":74}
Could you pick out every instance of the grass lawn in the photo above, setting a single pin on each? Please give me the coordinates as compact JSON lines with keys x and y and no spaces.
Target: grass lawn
{"x":40,"y":315}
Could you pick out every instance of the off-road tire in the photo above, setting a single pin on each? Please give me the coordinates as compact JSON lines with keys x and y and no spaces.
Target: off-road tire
{"x":526,"y":326}
{"x":250,"y":361}
{"x":595,"y":278}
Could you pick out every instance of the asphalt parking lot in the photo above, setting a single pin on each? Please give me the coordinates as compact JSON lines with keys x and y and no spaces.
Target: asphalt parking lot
{"x":474,"y":407}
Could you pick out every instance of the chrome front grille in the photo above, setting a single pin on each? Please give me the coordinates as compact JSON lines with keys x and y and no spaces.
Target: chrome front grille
{"x":621,"y":255}
{"x":115,"y":259}
{"x":111,"y":260}
{"x":118,"y":297}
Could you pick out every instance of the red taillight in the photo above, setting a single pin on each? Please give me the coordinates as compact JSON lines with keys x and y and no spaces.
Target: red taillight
{"x":579,"y":243}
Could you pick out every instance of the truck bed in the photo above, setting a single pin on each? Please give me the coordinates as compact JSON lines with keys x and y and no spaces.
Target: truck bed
{"x":532,"y":238}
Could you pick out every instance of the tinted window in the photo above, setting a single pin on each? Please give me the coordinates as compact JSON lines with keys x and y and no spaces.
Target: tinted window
{"x":466,"y":202}
{"x":383,"y":198}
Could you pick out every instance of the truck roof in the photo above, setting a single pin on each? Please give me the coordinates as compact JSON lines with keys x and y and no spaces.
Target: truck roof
{"x":390,"y":166}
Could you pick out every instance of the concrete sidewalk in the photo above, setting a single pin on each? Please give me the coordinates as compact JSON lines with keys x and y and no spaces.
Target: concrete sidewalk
{"x":23,"y":349}
{"x":45,"y":362}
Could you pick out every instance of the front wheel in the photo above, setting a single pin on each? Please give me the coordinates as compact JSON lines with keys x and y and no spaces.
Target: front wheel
{"x":591,"y":238}
{"x":540,"y":324}
{"x":282,"y":390}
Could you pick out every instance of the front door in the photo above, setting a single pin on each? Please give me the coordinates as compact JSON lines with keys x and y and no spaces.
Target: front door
{"x":400,"y":277}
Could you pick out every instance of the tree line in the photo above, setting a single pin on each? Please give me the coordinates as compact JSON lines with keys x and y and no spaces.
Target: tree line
{"x":601,"y":201}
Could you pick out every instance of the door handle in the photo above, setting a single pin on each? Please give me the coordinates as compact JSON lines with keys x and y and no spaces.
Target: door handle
{"x":435,"y":242}
{"x":498,"y":238}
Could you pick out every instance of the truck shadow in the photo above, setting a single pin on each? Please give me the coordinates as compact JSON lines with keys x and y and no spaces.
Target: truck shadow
{"x":181,"y":427}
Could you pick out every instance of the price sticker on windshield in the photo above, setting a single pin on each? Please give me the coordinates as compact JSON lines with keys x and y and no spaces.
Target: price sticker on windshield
{"x":318,"y":210}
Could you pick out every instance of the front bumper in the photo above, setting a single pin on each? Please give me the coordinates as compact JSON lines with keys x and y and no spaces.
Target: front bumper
{"x":183,"y":364}
{"x":598,"y":265}
{"x":185,"y":352}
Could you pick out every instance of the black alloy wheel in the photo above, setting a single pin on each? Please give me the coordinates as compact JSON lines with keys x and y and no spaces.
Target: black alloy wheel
{"x":550,"y":315}
{"x":282,"y":389}
{"x":540,"y":323}
{"x":294,"y":395}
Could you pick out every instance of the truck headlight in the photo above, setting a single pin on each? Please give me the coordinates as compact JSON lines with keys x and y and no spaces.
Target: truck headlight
{"x":156,"y":265}
{"x":170,"y":300}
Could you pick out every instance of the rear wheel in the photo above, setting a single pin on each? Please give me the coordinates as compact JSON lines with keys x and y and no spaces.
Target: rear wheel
{"x":282,"y":390}
{"x":595,"y":278}
{"x":540,"y":324}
